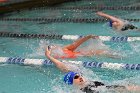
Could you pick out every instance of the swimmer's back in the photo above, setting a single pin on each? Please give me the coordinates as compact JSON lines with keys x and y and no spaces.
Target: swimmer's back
{"x":68,"y":54}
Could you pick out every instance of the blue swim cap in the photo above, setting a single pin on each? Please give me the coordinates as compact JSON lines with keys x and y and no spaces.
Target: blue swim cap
{"x":110,"y":23}
{"x":68,"y":78}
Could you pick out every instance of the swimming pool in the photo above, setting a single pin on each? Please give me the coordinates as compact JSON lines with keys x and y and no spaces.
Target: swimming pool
{"x":47,"y":79}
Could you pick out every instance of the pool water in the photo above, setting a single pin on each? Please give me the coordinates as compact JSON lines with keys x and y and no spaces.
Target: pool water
{"x":36,"y":79}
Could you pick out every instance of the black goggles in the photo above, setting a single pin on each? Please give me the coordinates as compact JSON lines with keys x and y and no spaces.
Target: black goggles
{"x":76,"y":76}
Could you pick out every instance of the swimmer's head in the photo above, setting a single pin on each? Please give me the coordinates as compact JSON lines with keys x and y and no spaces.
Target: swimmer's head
{"x":68,"y":78}
{"x":73,"y":78}
{"x":51,"y":47}
{"x":56,"y":51}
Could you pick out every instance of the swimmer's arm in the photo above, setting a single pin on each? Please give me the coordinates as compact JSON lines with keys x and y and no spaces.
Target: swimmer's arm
{"x":133,"y":88}
{"x":114,"y":19}
{"x":58,"y":63}
{"x":105,"y":53}
{"x":113,"y":56}
{"x":78,"y":42}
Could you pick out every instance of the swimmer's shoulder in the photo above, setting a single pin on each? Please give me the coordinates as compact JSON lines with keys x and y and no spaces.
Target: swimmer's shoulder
{"x":92,"y":86}
{"x":95,"y":84}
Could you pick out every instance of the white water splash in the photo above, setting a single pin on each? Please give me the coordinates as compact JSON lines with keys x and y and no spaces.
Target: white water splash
{"x":40,"y":50}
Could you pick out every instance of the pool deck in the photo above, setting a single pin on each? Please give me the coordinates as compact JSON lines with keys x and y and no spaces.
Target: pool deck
{"x":28,"y":5}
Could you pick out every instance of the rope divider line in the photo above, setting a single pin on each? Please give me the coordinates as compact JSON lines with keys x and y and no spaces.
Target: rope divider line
{"x":100,"y":1}
{"x":75,"y":20}
{"x":136,"y":8}
{"x":22,"y":35}
{"x":115,"y":1}
{"x":88,"y":64}
{"x":68,"y":37}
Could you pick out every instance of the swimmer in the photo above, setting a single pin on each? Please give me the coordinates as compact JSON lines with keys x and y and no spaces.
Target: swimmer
{"x":75,"y":78}
{"x":118,"y":24}
{"x":71,"y":51}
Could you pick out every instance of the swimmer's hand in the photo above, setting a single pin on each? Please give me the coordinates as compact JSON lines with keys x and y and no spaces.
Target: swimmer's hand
{"x":48,"y":51}
{"x":93,"y":36}
{"x":99,"y":13}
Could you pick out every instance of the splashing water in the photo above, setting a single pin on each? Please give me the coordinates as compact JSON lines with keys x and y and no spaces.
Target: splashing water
{"x":93,"y":44}
{"x":41,"y":49}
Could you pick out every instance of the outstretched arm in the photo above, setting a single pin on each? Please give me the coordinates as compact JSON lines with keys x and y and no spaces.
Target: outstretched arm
{"x":58,"y":63}
{"x":122,"y":89}
{"x":78,"y":42}
{"x":108,"y":16}
{"x":133,"y":88}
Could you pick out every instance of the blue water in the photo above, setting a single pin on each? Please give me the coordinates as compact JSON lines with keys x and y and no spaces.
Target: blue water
{"x":35,"y":79}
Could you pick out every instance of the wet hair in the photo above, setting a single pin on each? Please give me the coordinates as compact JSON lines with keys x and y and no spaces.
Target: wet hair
{"x":129,"y":26}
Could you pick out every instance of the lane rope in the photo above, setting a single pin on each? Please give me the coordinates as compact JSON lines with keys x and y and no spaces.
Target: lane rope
{"x":136,"y":8}
{"x":68,"y":37}
{"x":101,"y":1}
{"x":88,"y":64}
{"x":75,"y":20}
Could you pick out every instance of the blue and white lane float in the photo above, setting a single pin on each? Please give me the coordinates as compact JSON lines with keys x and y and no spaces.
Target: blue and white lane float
{"x":68,"y":37}
{"x":88,"y":64}
{"x":105,"y":38}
